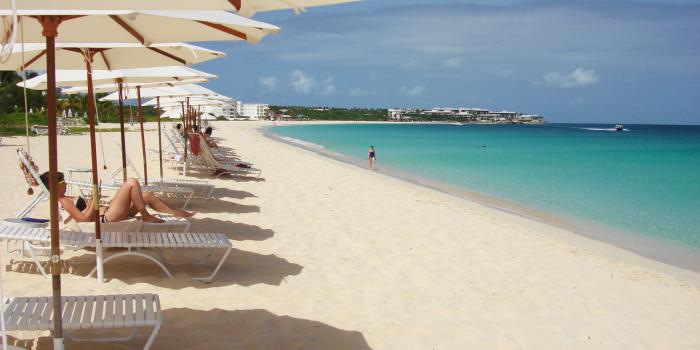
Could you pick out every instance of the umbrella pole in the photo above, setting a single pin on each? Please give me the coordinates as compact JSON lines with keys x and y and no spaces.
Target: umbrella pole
{"x":186,"y":134}
{"x":95,"y":181}
{"x":50,"y":31}
{"x":121,"y":127}
{"x":160,"y":146}
{"x":143,"y":138}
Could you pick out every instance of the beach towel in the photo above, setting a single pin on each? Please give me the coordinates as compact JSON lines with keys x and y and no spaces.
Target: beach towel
{"x":194,"y":143}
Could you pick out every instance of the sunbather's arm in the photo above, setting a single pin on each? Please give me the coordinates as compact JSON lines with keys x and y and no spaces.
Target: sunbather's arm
{"x":86,"y":215}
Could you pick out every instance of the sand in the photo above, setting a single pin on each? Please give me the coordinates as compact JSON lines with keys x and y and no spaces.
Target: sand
{"x":331,"y":256}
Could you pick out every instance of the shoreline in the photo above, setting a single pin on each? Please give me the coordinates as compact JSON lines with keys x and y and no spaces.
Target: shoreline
{"x":614,"y":242}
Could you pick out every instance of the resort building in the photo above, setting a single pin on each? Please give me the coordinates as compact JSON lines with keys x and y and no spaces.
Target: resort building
{"x":470,"y":115}
{"x":252,"y":111}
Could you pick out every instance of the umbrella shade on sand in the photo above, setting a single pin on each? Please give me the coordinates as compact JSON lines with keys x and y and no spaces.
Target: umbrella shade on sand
{"x":243,"y":7}
{"x":145,"y":27}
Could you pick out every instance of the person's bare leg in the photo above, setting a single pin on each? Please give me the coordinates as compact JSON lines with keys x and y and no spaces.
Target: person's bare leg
{"x":162,"y":207}
{"x":120,"y":206}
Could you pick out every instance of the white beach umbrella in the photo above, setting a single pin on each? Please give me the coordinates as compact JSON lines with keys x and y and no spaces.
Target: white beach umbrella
{"x":113,"y":89}
{"x":171,"y":91}
{"x":133,"y":76}
{"x":244,"y":7}
{"x":193,"y":101}
{"x":108,"y":56}
{"x":145,"y":27}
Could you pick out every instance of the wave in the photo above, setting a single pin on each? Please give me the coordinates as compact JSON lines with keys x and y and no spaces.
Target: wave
{"x":602,"y":129}
{"x":301,"y":142}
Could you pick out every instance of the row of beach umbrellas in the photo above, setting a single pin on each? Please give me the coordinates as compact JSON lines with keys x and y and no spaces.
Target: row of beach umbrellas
{"x":122,"y":37}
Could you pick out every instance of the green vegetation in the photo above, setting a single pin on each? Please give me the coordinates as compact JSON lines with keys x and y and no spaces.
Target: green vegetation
{"x":319,"y":113}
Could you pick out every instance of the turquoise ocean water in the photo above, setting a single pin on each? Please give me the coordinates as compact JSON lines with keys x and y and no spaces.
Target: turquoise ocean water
{"x":645,"y":180}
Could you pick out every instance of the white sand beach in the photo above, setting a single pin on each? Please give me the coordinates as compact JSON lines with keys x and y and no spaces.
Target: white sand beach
{"x":331,"y":256}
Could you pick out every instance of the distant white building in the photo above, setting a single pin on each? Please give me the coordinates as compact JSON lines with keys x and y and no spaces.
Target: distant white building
{"x":398,"y":113}
{"x":252,"y":111}
{"x":228,"y":110}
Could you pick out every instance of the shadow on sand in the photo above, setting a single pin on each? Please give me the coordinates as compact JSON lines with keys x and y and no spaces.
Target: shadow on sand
{"x":221,"y":192}
{"x":185,"y":328}
{"x":241,"y":268}
{"x":234,"y":230}
{"x":224,"y":206}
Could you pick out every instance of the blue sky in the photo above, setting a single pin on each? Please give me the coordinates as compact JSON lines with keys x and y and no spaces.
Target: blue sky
{"x":571,"y":61}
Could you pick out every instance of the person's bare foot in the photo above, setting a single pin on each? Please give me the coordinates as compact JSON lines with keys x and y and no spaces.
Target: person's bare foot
{"x":152,"y":219}
{"x":185,"y":214}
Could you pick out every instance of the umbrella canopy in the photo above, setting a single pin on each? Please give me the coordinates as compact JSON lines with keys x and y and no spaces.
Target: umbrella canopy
{"x":113,"y":88}
{"x":134,"y":76}
{"x":170,"y":91}
{"x":207,"y":116}
{"x":145,"y":27}
{"x":108,"y":55}
{"x":244,"y":7}
{"x":193,"y":102}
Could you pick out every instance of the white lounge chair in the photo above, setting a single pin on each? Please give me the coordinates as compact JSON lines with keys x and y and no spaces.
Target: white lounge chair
{"x":223,"y":167}
{"x":136,"y":244}
{"x":202,"y":189}
{"x":82,"y":313}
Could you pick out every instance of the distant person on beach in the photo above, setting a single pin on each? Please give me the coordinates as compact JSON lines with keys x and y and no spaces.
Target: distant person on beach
{"x":372,"y":158}
{"x":207,"y":137}
{"x":127,"y":202}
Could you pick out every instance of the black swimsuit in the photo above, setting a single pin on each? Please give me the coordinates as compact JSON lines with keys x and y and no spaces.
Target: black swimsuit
{"x":81,"y":205}
{"x":371,"y":154}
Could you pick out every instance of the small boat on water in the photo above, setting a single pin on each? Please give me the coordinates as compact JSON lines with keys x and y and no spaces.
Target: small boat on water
{"x":456,"y":123}
{"x":619,"y":127}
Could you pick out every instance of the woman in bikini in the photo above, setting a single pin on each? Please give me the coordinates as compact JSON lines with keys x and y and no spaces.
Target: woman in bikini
{"x":127,"y":202}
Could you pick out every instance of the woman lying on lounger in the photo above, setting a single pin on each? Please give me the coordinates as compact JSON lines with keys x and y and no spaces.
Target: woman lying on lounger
{"x":128,"y":201}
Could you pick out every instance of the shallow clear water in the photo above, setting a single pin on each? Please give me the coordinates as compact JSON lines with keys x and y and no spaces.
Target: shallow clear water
{"x":645,"y":180}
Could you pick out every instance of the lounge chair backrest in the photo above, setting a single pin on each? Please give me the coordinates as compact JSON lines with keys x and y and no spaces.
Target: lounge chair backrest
{"x":43,"y":191}
{"x":175,"y":148}
{"x":117,"y":173}
{"x":24,"y":158}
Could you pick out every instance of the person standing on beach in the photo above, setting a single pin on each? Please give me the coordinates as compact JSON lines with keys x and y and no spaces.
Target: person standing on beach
{"x":372,"y":158}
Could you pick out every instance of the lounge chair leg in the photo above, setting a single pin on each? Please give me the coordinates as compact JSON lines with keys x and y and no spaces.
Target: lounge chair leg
{"x":145,"y":256}
{"x":210,"y":278}
{"x":152,"y":337}
{"x":102,"y":340}
{"x":187,"y":201}
{"x":36,"y":260}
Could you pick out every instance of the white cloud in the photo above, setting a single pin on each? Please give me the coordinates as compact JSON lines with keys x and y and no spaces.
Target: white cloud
{"x":269,"y":83}
{"x":302,"y":82}
{"x":414,"y":91}
{"x":357,"y":92}
{"x":328,"y":87}
{"x":579,"y":77}
{"x":453,"y":62}
{"x":577,"y":100}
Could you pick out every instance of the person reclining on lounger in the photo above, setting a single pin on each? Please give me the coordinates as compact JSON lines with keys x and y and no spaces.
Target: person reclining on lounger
{"x":128,"y":201}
